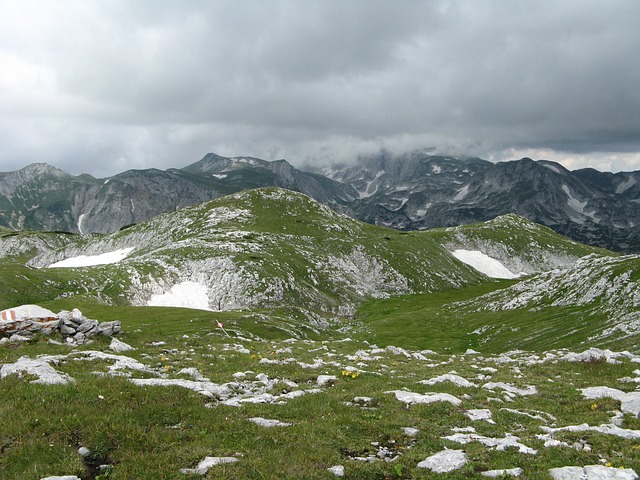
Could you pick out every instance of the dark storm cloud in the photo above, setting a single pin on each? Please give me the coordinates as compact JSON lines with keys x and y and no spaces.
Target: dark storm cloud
{"x":106,"y":85}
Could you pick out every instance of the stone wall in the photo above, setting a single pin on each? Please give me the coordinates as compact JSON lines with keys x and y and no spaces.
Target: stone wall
{"x":71,"y":325}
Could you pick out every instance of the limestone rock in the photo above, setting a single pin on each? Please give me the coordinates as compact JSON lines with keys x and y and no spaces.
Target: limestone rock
{"x":119,"y":346}
{"x":110,"y":328}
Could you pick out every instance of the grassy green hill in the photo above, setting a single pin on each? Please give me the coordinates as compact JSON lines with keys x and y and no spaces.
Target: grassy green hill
{"x":521,"y":245}
{"x":280,"y":257}
{"x":268,"y":249}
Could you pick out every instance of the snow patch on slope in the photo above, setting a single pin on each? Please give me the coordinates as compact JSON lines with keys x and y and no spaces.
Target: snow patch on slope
{"x":215,"y":283}
{"x":551,"y":167}
{"x":365,"y":193}
{"x":91,"y":260}
{"x":461,"y":193}
{"x":626,"y":185}
{"x":484,"y":263}
{"x":185,"y":294}
{"x":578,"y":206}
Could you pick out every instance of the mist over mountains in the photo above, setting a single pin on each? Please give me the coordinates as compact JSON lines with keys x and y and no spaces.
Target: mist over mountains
{"x":413,"y":191}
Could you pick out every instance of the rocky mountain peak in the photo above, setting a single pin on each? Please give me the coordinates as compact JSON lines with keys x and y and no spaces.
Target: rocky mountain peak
{"x":36,"y":170}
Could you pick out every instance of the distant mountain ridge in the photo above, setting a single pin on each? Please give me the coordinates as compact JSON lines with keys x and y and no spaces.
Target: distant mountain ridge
{"x":413,"y":191}
{"x":417,"y":191}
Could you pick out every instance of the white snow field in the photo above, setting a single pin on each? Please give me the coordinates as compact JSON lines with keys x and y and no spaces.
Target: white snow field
{"x":185,"y":294}
{"x":91,"y":260}
{"x":483,"y":263}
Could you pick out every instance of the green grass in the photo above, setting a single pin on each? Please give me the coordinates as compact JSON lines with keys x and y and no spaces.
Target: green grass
{"x":437,"y":322}
{"x":420,"y":322}
{"x":153,"y":432}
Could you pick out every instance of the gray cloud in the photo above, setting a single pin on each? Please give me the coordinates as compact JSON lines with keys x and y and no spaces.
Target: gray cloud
{"x":103,"y":86}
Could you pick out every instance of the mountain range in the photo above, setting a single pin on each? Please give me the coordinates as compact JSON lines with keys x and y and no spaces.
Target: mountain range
{"x":413,"y":191}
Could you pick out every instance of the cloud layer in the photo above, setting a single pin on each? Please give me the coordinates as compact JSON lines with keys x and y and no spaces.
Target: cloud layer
{"x":108,"y":85}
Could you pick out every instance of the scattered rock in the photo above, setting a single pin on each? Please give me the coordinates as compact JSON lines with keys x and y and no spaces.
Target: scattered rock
{"x":39,"y":367}
{"x":629,"y":402}
{"x":326,"y":380}
{"x":63,"y":477}
{"x":449,"y":377}
{"x":18,"y":338}
{"x":203,"y":467}
{"x":513,"y":472}
{"x":411,"y":397}
{"x":338,"y":470}
{"x":84,"y":452}
{"x":362,"y":401}
{"x":208,"y":389}
{"x":119,"y":346}
{"x":593,"y":472}
{"x":528,"y":390}
{"x":193,"y":373}
{"x":499,"y":444}
{"x":606,"y":428}
{"x":445,"y":461}
{"x":398,"y":351}
{"x":263,"y":422}
{"x":479,"y":414}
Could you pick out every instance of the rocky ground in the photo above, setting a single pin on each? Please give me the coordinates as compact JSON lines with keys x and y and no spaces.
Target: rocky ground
{"x":416,"y":414}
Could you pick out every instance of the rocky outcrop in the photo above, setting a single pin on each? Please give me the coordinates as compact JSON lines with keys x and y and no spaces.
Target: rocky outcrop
{"x":22,"y":323}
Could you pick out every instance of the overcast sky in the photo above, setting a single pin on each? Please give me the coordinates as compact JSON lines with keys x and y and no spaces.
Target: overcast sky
{"x":102,"y":86}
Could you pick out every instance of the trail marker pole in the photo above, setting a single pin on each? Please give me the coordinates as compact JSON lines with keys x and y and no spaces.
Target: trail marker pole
{"x":221,"y":327}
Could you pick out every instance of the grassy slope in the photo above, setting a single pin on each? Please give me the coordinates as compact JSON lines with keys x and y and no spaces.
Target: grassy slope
{"x":284,"y":238}
{"x":420,"y":321}
{"x":446,"y":320}
{"x":153,"y":432}
{"x":435,"y":321}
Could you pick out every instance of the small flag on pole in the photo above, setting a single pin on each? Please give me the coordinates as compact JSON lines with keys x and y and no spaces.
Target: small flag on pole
{"x":221,"y":327}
